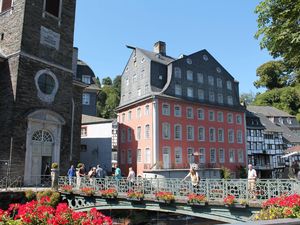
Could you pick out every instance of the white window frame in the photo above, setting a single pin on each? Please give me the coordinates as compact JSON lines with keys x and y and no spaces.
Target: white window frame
{"x":240,"y":156}
{"x":189,"y":75}
{"x":214,"y":134}
{"x":138,"y":113}
{"x":211,"y":113}
{"x":190,"y":92}
{"x":229,"y":85}
{"x":190,"y":128}
{"x":49,"y":14}
{"x":211,"y":80}
{"x":180,"y":132}
{"x":230,"y":136}
{"x":147,"y":131}
{"x":229,"y":118}
{"x":166,"y":131}
{"x":138,"y":155}
{"x":177,"y":113}
{"x":202,"y":155}
{"x":229,"y":100}
{"x":187,"y":113}
{"x":178,"y":89}
{"x":178,"y":155}
{"x":147,"y":156}
{"x":86,"y":99}
{"x":221,"y":155}
{"x":220,"y":117}
{"x":231,"y":153}
{"x":165,"y":109}
{"x":214,"y":158}
{"x":203,"y":134}
{"x":147,"y":110}
{"x":220,"y":98}
{"x":220,"y":139}
{"x":202,"y":113}
{"x":138,"y":133}
{"x":238,"y":119}
{"x":177,"y":72}
{"x":190,"y":155}
{"x":129,"y":115}
{"x":211,"y":96}
{"x":86,"y":79}
{"x":219,"y":83}
{"x":239,"y":137}
{"x":200,"y":78}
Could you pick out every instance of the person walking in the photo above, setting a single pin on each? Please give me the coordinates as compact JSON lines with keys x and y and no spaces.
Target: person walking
{"x":71,"y":174}
{"x":99,"y":172}
{"x":194,"y":179}
{"x":80,"y":173}
{"x":118,"y":175}
{"x":131,"y":177}
{"x":251,"y":180}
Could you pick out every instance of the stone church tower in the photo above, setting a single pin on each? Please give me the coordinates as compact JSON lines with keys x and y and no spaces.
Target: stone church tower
{"x":40,"y":101}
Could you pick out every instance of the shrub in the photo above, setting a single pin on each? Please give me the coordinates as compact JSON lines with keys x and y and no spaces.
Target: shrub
{"x":54,"y":166}
{"x":54,"y":197}
{"x":225,"y":173}
{"x":30,"y":195}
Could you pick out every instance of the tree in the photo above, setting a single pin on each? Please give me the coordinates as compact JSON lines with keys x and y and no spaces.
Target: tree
{"x":117,"y":84}
{"x":106,"y":81}
{"x":247,"y":98}
{"x":272,"y":74}
{"x":279,"y":29}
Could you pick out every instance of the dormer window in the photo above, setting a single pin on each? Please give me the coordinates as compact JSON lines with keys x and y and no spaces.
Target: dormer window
{"x":86,"y":79}
{"x":53,"y":7}
{"x":5,"y":5}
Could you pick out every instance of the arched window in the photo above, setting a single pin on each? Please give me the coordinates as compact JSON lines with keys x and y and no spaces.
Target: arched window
{"x":42,"y":136}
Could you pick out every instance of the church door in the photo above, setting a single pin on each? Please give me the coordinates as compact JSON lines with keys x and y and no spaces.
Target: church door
{"x":42,"y":148}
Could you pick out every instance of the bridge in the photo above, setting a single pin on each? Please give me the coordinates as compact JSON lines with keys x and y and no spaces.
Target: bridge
{"x":247,"y":202}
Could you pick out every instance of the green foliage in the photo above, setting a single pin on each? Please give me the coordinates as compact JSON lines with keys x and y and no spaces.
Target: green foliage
{"x":54,"y":166}
{"x":54,"y":197}
{"x":79,"y":165}
{"x":107,"y":81}
{"x":278,"y":28}
{"x":272,"y":74}
{"x":30,"y":195}
{"x":225,"y":173}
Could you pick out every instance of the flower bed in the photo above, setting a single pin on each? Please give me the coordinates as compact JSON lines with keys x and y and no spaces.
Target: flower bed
{"x":41,"y":213}
{"x":229,"y":200}
{"x":109,"y":193}
{"x":131,"y":195}
{"x":280,"y":207}
{"x":87,"y":191}
{"x":194,"y":199}
{"x":66,"y":189}
{"x":166,"y":197}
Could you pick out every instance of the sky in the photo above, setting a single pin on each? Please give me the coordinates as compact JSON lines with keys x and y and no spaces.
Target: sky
{"x":226,"y":29}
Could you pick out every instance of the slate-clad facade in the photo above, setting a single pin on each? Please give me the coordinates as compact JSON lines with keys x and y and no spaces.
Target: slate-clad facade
{"x":40,"y":102}
{"x":175,"y":113}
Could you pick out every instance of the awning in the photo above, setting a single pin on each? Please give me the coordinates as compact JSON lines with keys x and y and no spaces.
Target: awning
{"x":290,"y":154}
{"x":295,"y":148}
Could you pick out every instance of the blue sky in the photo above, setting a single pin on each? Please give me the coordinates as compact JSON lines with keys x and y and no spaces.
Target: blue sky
{"x":225,"y":28}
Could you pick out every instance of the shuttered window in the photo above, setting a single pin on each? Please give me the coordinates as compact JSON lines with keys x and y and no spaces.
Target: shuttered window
{"x":6,"y":5}
{"x":52,"y":7}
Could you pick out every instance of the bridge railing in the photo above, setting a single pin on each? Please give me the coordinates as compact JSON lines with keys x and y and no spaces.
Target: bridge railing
{"x":30,"y":181}
{"x":213,"y":189}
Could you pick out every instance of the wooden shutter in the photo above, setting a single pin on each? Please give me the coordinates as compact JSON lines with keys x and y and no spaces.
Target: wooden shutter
{"x":52,"y":7}
{"x":6,"y":5}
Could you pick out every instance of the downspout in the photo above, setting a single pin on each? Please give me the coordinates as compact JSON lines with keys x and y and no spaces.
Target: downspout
{"x":155,"y":133}
{"x":72,"y":129}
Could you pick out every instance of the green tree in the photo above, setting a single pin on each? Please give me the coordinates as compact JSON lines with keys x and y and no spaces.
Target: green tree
{"x":107,"y":81}
{"x":272,"y":74}
{"x":279,"y":30}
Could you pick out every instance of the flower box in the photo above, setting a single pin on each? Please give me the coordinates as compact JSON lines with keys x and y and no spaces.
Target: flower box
{"x":87,"y":191}
{"x":66,"y":189}
{"x":194,"y":199}
{"x":236,"y":205}
{"x":164,"y":197}
{"x":110,"y":193}
{"x":135,"y":196}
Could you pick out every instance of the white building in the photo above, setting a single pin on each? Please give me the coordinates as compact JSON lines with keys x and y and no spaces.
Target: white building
{"x":96,"y":142}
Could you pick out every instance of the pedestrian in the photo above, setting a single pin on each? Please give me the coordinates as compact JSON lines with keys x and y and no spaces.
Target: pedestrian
{"x":251,"y":180}
{"x":92,"y":175}
{"x":99,"y":172}
{"x":131,"y":177}
{"x":80,"y":173}
{"x":71,"y":174}
{"x":118,"y":175}
{"x":194,"y":179}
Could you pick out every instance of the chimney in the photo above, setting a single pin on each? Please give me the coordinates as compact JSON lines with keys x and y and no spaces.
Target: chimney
{"x":160,"y":48}
{"x":74,"y":61}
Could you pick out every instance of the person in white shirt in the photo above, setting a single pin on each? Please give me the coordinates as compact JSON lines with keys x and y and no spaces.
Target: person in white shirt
{"x":194,"y":179}
{"x":131,"y":177}
{"x":251,"y":180}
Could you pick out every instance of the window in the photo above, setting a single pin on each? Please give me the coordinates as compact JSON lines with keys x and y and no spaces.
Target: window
{"x":200,"y":94}
{"x":220,"y":117}
{"x":134,"y":78}
{"x":212,"y":134}
{"x":166,"y":109}
{"x":213,"y":155}
{"x":239,"y":137}
{"x":178,"y":155}
{"x":85,"y":99}
{"x":211,"y":80}
{"x":202,"y":155}
{"x":129,"y":115}
{"x":177,"y":132}
{"x":229,"y":86}
{"x":129,"y":137}
{"x":46,"y":83}
{"x":147,"y":131}
{"x":211,"y":115}
{"x":238,"y":119}
{"x":127,"y":81}
{"x":139,"y":92}
{"x":231,"y":156}
{"x":138,"y":113}
{"x":139,"y":156}
{"x":177,"y":111}
{"x":138,"y":133}
{"x":86,"y":79}
{"x":178,"y":89}
{"x":177,"y":71}
{"x":129,"y":156}
{"x":83,"y":131}
{"x":123,"y":157}
{"x":147,"y":110}
{"x":229,"y":100}
{"x":240,"y":156}
{"x":220,"y":99}
{"x":147,"y":155}
{"x":123,"y":135}
{"x":166,"y":131}
{"x":201,"y":134}
{"x":230,"y":136}
{"x":123,"y":117}
{"x":211,"y":96}
{"x":190,"y":92}
{"x":6,"y":5}
{"x":229,"y":118}
{"x":219,"y":83}
{"x":189,"y":75}
{"x":200,"y":114}
{"x":189,"y":113}
{"x":200,"y":78}
{"x":220,"y":135}
{"x":53,"y":7}
{"x":190,"y":133}
{"x":221,"y":155}
{"x":83,"y":148}
{"x":190,"y":155}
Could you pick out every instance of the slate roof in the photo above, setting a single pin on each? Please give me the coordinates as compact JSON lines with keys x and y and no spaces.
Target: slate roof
{"x":288,"y":134}
{"x":84,"y":69}
{"x":156,"y":57}
{"x":269,"y":126}
{"x":86,"y":119}
{"x":268,"y":111}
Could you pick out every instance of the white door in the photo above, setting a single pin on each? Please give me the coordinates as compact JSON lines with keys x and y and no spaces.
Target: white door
{"x":166,"y":158}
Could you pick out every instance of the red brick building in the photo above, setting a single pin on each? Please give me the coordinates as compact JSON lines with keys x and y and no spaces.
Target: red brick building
{"x":178,"y":113}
